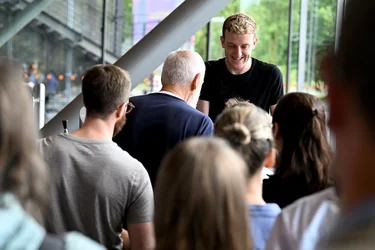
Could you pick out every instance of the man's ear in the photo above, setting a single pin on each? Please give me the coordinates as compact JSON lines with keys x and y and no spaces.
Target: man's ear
{"x":255,"y":41}
{"x":275,"y":130}
{"x":222,"y":40}
{"x":196,"y":82}
{"x":270,"y":160}
{"x":121,"y":110}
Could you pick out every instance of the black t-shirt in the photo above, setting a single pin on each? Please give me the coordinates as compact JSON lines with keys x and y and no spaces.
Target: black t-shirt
{"x":262,"y":85}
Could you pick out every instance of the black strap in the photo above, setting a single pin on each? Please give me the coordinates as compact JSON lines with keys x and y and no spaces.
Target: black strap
{"x":51,"y":242}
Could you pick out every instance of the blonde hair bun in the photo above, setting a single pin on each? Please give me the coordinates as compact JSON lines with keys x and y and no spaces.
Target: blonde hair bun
{"x":239,"y":133}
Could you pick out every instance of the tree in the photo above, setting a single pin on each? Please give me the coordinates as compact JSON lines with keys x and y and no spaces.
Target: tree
{"x":271,"y":17}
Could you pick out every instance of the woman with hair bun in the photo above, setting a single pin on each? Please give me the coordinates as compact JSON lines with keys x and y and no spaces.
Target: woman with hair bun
{"x":304,"y":153}
{"x":249,"y":131}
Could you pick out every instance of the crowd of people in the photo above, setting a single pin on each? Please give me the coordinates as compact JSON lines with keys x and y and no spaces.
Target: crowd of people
{"x":184,"y":168}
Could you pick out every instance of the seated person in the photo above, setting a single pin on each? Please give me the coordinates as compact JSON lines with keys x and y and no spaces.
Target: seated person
{"x":97,"y":188}
{"x":249,"y":130}
{"x":305,"y":222}
{"x":161,"y":120}
{"x":304,"y":154}
{"x":200,"y":198}
{"x":23,"y":176}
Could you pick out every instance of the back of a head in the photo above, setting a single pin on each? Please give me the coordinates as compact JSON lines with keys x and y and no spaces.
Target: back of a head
{"x":181,"y":67}
{"x":249,"y":130}
{"x":302,"y":137}
{"x":239,"y":23}
{"x":21,"y":169}
{"x":354,"y":59}
{"x":104,"y":89}
{"x":200,"y":198}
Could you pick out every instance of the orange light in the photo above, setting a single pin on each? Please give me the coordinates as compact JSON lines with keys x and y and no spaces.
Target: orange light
{"x":49,"y":76}
{"x":61,"y":77}
{"x":37,"y":76}
{"x":72,"y":78}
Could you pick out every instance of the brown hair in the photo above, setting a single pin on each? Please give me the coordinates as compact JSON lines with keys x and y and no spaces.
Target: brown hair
{"x":354,"y":59}
{"x":104,"y":89}
{"x":22,"y":171}
{"x":248,"y":129}
{"x":305,"y":150}
{"x":239,"y":23}
{"x":200,"y":198}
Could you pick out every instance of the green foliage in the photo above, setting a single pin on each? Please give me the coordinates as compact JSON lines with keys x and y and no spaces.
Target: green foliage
{"x":272,"y":18}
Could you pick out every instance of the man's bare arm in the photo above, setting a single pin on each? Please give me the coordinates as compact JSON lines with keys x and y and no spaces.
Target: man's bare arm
{"x":141,"y":236}
{"x":203,"y":106}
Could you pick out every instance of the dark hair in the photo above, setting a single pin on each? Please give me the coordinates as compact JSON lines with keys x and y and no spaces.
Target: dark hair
{"x":354,"y":59}
{"x":248,"y":129}
{"x":104,"y":89}
{"x":22,"y":171}
{"x":305,"y":150}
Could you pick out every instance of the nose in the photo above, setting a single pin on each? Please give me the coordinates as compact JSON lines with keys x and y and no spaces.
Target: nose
{"x":238,"y":52}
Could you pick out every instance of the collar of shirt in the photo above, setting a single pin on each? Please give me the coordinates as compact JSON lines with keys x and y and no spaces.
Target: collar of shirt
{"x":169,"y":93}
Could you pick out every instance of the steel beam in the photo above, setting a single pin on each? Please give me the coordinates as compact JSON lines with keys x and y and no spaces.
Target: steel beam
{"x":290,"y":45}
{"x":22,"y":19}
{"x":150,"y":52}
{"x":302,"y":45}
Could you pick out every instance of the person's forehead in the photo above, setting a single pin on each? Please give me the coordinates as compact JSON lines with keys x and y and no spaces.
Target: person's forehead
{"x":238,"y":38}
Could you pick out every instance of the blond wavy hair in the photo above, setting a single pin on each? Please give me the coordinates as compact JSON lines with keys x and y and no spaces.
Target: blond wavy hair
{"x":200,"y":198}
{"x":240,"y":23}
{"x":248,"y":129}
{"x":22,"y":172}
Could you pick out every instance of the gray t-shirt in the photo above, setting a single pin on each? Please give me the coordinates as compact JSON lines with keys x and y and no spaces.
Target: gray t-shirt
{"x":96,"y":188}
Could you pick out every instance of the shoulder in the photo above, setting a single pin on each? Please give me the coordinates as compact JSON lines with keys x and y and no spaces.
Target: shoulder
{"x":317,"y":207}
{"x":312,"y":201}
{"x":214,"y":65}
{"x":50,"y":142}
{"x":267,"y":67}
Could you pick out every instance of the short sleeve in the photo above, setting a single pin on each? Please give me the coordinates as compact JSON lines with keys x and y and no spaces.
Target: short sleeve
{"x":277,"y":87}
{"x":207,"y":127}
{"x":141,"y":206}
{"x":206,"y":91}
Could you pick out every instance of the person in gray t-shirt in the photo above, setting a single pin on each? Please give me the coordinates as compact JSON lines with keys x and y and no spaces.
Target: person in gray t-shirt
{"x":96,"y":187}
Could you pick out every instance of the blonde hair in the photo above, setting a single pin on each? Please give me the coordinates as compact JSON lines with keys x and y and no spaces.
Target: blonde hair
{"x":22,"y":171}
{"x":239,"y":23}
{"x":248,"y":129}
{"x":200,"y":198}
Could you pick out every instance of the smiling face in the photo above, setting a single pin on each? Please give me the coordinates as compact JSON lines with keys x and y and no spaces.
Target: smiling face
{"x":238,"y":49}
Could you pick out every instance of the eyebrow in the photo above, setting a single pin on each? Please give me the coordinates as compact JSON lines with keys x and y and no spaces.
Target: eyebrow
{"x":246,"y":44}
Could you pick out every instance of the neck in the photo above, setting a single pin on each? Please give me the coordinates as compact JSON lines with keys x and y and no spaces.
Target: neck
{"x":95,"y":128}
{"x":176,"y":89}
{"x":254,"y":193}
{"x":241,"y":71}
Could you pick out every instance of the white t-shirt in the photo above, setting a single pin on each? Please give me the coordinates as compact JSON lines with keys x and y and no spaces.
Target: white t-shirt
{"x":305,"y":222}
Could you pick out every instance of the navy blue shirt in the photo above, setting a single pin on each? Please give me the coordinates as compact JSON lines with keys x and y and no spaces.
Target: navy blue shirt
{"x":157,"y":123}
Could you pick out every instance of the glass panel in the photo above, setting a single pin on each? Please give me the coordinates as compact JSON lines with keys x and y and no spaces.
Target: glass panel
{"x":61,"y":43}
{"x":272,"y":18}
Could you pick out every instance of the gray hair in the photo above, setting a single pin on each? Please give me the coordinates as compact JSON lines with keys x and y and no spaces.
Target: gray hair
{"x":181,"y":67}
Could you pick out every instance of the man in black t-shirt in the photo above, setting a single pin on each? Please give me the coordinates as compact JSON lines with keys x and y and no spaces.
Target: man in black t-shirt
{"x":238,"y":74}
